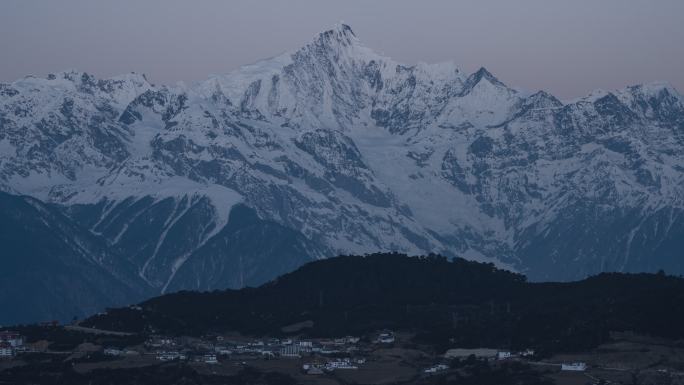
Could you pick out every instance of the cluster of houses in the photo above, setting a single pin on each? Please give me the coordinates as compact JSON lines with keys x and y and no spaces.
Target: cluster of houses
{"x":6,"y":350}
{"x":574,"y":367}
{"x":169,"y":349}
{"x":287,"y":348}
{"x":297,"y":349}
{"x":209,"y":350}
{"x":505,"y":355}
{"x":482,"y":353}
{"x":436,"y":369}
{"x":10,"y":344}
{"x":326,"y":352}
{"x":385,"y":337}
{"x":179,"y":356}
{"x":332,"y":365}
{"x":501,"y":355}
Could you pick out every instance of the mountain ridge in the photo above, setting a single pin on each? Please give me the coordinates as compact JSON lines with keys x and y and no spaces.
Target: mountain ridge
{"x":346,"y":151}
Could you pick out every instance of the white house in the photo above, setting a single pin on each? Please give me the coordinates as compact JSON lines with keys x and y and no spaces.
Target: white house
{"x":503,"y":355}
{"x":574,"y":367}
{"x":436,"y":369}
{"x":210,"y":359}
{"x":171,"y":356}
{"x":6,"y":350}
{"x":386,"y":338}
{"x":340,"y":364}
{"x":222,"y":350}
{"x":112,"y":352}
{"x":293,"y":351}
{"x":13,"y":338}
{"x":157,"y":342}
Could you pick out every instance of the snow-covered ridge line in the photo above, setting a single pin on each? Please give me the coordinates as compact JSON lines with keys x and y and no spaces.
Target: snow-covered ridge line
{"x":341,"y":37}
{"x":357,"y":153}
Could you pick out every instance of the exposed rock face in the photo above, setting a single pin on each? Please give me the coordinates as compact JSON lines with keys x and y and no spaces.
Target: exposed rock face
{"x":335,"y":149}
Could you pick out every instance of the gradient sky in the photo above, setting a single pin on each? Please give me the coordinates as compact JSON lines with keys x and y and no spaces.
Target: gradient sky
{"x":568,"y":47}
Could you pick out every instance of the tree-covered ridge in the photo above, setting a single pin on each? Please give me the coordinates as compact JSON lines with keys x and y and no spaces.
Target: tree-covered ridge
{"x":444,"y":302}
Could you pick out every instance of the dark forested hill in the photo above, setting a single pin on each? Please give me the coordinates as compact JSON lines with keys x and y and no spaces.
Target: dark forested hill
{"x":442,"y":301}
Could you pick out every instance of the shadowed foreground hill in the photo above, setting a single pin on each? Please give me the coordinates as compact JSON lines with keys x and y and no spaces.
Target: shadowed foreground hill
{"x":467,"y":303}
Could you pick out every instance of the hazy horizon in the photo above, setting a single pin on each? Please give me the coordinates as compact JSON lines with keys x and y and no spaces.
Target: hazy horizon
{"x":568,"y":49}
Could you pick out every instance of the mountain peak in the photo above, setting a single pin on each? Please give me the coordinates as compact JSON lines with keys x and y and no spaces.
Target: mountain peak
{"x":655,"y":88}
{"x":341,"y":29}
{"x":475,"y":78}
{"x":344,"y":29}
{"x":543,"y":99}
{"x":338,"y":46}
{"x":483,"y":73}
{"x":340,"y":34}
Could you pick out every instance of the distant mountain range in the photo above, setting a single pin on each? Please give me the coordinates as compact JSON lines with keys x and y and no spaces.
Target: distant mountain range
{"x":116,"y":189}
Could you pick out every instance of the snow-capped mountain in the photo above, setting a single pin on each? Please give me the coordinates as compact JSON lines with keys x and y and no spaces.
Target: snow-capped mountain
{"x":334,"y":149}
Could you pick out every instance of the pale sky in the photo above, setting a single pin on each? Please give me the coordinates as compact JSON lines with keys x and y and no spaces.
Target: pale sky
{"x":567,"y":47}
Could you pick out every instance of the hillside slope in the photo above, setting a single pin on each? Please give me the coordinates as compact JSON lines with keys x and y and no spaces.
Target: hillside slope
{"x":467,"y":303}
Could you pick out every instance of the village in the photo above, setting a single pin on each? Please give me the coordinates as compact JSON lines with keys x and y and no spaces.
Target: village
{"x":359,"y":359}
{"x":310,"y":357}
